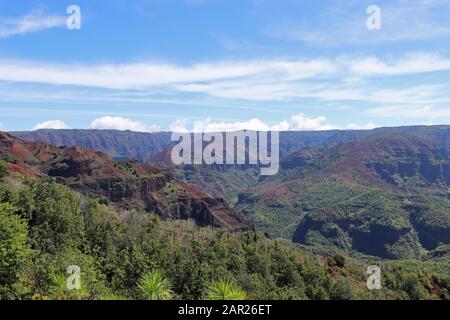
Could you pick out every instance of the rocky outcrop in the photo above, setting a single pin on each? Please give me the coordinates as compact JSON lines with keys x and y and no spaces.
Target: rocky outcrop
{"x":125,"y":184}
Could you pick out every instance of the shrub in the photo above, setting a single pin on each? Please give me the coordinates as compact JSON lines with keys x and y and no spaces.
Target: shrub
{"x":337,"y":261}
{"x":224,"y":290}
{"x":155,"y":286}
{"x":340,"y":290}
{"x":13,"y":245}
{"x":3,"y":169}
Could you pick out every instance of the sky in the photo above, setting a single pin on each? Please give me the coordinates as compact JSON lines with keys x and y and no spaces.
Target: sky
{"x":212,"y":65}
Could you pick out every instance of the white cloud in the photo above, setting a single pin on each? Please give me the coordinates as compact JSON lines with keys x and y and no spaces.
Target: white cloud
{"x":298,"y":122}
{"x":51,"y":124}
{"x":153,"y":74}
{"x":34,"y":21}
{"x":179,"y":126}
{"x":421,"y":94}
{"x":415,"y":63}
{"x":255,"y":80}
{"x":244,"y":90}
{"x":367,"y":126}
{"x":209,"y":126}
{"x":342,"y":79}
{"x":120,"y":123}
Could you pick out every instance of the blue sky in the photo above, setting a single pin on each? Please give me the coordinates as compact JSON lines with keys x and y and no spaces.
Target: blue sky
{"x":150,"y":65}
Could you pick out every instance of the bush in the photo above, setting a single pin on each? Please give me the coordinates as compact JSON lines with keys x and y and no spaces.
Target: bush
{"x":3,"y":169}
{"x":155,"y":286}
{"x":337,"y":261}
{"x":13,"y":245}
{"x":340,"y":290}
{"x":224,"y":290}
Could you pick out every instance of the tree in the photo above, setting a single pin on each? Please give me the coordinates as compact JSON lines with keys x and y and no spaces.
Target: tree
{"x":3,"y":169}
{"x":56,"y":222}
{"x":413,"y":288}
{"x":224,"y":290}
{"x":13,"y":244}
{"x":340,"y":290}
{"x":337,"y":261}
{"x":155,"y":286}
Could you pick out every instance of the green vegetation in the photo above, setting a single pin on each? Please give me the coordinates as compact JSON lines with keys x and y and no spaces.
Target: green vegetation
{"x":3,"y":169}
{"x":46,"y":227}
{"x":224,"y":290}
{"x":222,"y":181}
{"x":126,"y":166}
{"x":335,"y":216}
{"x":384,"y":196}
{"x":154,"y":286}
{"x":13,"y":246}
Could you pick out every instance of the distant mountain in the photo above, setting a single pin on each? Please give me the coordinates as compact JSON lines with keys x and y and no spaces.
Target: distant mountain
{"x":140,"y":146}
{"x":382,"y":192}
{"x":218,"y":181}
{"x":118,"y":144}
{"x":126,"y":184}
{"x":386,"y":195}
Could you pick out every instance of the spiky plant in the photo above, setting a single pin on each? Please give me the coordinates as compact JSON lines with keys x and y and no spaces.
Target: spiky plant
{"x":155,"y":286}
{"x":224,"y":290}
{"x":59,"y":290}
{"x":59,"y":287}
{"x":80,"y":294}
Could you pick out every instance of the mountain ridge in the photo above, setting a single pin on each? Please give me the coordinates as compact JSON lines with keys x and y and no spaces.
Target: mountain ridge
{"x":127,"y":184}
{"x":141,"y":145}
{"x":359,"y":197}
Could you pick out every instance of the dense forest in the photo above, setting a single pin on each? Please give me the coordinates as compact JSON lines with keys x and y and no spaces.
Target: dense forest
{"x":46,"y":227}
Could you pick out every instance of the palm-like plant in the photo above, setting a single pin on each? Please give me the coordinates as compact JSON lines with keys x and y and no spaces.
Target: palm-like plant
{"x":59,"y":290}
{"x":224,"y":290}
{"x":155,"y":286}
{"x":59,"y":287}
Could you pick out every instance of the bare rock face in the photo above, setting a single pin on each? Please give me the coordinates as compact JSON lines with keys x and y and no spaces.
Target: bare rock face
{"x":125,"y":184}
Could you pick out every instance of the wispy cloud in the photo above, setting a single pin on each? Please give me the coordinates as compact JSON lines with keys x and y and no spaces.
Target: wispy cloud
{"x":414,"y":63}
{"x":34,"y":21}
{"x":153,"y":74}
{"x":223,"y":83}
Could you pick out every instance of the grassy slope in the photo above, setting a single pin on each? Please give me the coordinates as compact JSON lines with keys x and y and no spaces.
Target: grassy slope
{"x":340,"y":199}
